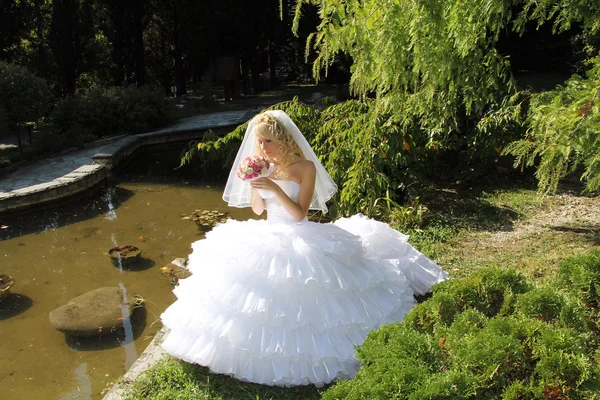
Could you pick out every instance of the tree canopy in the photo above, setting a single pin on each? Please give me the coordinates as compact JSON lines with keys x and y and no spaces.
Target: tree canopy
{"x":435,"y":70}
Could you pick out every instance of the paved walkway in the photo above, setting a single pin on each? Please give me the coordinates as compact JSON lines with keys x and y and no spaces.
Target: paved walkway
{"x":49,"y":169}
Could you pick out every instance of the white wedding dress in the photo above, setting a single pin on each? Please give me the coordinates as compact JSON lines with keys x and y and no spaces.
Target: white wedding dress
{"x":282,"y":302}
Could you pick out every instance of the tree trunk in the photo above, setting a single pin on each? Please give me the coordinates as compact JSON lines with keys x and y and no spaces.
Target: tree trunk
{"x":179,"y":67}
{"x":70,"y":62}
{"x":118,"y":43}
{"x":246,"y":75}
{"x":63,"y":18}
{"x":272,"y":72}
{"x":19,"y":142}
{"x":207,"y":83}
{"x":140,"y":64}
{"x":255,"y":71}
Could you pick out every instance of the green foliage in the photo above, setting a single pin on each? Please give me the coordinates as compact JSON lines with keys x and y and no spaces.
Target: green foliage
{"x":563,"y":132}
{"x":549,"y":305}
{"x":370,"y":165}
{"x":434,"y":69}
{"x":490,"y":291}
{"x":489,"y":336}
{"x":24,"y":98}
{"x":109,"y":112}
{"x":581,"y":276}
{"x":409,"y":216}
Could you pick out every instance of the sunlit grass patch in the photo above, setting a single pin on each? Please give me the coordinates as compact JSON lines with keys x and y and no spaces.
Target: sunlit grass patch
{"x":172,"y":379}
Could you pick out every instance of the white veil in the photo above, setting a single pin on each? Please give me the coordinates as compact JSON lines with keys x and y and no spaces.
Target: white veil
{"x":238,"y":192}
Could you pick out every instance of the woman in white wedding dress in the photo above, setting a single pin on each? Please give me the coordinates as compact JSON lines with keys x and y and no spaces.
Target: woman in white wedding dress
{"x":283,"y":301}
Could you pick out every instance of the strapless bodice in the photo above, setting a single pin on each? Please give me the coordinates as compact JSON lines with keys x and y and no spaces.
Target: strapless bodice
{"x":275,"y":211}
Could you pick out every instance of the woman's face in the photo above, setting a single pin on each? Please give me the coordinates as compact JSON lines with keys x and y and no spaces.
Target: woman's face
{"x":270,"y":147}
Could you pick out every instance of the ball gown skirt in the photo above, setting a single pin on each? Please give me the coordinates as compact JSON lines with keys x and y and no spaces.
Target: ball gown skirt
{"x":282,"y":302}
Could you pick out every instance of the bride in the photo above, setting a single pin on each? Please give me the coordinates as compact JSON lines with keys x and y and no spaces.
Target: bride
{"x":283,"y":301}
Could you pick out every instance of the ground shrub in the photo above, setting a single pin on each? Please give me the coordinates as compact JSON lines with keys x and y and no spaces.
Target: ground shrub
{"x":492,"y":335}
{"x":110,"y":111}
{"x":490,"y":290}
{"x":581,"y":276}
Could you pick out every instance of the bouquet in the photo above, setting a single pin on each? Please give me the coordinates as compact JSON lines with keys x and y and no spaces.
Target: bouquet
{"x":254,"y":167}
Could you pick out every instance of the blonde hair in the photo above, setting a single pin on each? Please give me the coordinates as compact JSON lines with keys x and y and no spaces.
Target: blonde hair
{"x":267,"y":126}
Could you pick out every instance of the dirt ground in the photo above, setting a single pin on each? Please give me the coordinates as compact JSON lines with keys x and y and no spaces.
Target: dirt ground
{"x":535,"y":243}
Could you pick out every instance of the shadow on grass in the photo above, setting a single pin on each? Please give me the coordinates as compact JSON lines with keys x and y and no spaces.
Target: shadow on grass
{"x":590,"y":233}
{"x":468,"y":210}
{"x":172,"y":378}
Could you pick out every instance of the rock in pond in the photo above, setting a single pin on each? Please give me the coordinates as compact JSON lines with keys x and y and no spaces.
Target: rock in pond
{"x":95,"y":313}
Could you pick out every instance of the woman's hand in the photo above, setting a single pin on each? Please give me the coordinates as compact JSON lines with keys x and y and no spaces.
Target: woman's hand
{"x":265,"y":184}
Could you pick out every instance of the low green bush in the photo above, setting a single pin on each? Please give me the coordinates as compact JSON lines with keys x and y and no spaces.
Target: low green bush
{"x":110,"y":111}
{"x":581,"y":276}
{"x":492,"y":335}
{"x":489,"y":290}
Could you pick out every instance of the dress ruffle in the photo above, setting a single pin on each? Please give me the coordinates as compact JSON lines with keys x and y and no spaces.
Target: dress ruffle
{"x":281,"y":302}
{"x":390,"y":246}
{"x":285,"y":303}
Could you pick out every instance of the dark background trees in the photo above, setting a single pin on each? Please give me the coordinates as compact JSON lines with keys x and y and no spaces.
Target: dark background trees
{"x":80,"y":44}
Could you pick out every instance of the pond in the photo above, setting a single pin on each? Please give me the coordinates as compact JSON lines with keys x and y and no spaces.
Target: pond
{"x":59,"y":254}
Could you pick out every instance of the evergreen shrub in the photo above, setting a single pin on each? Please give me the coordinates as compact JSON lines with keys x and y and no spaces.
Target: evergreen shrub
{"x":112,"y":111}
{"x":492,"y":335}
{"x":581,"y":276}
{"x":489,"y":290}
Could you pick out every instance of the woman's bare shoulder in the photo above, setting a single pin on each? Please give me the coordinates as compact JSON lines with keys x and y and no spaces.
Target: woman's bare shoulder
{"x":302,"y":169}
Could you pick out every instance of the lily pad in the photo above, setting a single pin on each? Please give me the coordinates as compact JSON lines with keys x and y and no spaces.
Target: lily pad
{"x":207,"y":219}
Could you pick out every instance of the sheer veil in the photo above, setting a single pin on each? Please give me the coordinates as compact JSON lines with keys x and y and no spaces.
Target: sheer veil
{"x":238,"y":192}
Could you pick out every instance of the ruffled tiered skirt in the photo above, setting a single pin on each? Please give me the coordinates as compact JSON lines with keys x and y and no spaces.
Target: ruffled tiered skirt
{"x":285,"y":303}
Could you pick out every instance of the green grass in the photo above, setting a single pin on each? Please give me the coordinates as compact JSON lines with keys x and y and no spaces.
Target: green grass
{"x":466,"y":231}
{"x":172,"y":379}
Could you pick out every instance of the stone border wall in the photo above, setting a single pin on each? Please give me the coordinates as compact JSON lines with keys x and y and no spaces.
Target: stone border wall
{"x":87,"y":177}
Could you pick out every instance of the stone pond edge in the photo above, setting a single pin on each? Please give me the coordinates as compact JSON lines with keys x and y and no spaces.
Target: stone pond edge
{"x":108,"y":158}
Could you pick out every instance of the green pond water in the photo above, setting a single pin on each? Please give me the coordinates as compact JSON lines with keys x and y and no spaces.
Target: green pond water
{"x":62,"y":253}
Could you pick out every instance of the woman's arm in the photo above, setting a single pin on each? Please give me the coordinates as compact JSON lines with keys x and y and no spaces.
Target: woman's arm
{"x":308,"y":173}
{"x":257,"y":203}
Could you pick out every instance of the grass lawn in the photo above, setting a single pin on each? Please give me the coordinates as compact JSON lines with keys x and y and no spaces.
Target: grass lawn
{"x":502,"y":223}
{"x":509,"y":226}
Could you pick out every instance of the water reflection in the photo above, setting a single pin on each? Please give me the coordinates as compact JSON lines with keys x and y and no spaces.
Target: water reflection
{"x":75,"y":211}
{"x":84,"y":386}
{"x":137,"y":323}
{"x":56,"y":255}
{"x":130,"y":353}
{"x":108,"y":197}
